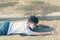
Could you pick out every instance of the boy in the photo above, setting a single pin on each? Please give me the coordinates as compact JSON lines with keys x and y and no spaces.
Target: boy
{"x":26,"y":27}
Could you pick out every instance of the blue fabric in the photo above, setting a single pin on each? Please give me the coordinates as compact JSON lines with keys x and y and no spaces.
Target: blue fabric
{"x":4,"y":28}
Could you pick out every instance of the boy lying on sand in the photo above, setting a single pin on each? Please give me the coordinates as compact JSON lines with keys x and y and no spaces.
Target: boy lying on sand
{"x":27,"y":27}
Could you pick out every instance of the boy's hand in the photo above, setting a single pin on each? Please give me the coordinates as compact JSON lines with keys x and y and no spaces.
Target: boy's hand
{"x":50,"y":25}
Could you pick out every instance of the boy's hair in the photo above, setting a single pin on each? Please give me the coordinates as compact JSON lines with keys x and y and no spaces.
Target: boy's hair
{"x":33,"y":19}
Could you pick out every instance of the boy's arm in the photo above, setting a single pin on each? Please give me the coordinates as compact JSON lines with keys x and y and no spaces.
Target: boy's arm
{"x":47,"y":25}
{"x":42,"y":33}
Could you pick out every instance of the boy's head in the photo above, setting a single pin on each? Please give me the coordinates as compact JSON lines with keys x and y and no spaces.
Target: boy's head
{"x":33,"y":20}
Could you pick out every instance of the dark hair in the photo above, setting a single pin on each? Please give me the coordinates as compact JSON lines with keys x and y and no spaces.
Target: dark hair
{"x":33,"y":19}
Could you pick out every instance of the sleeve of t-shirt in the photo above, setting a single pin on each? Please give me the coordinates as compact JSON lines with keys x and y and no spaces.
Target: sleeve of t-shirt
{"x":9,"y":29}
{"x":28,"y":31}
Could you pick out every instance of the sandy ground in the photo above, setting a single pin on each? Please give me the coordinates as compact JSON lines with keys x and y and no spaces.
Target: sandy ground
{"x":10,"y":10}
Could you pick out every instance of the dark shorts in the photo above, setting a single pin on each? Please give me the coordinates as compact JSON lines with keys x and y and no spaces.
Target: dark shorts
{"x":4,"y":28}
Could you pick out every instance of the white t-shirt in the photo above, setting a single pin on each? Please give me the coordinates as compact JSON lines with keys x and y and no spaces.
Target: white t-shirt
{"x":19,"y":27}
